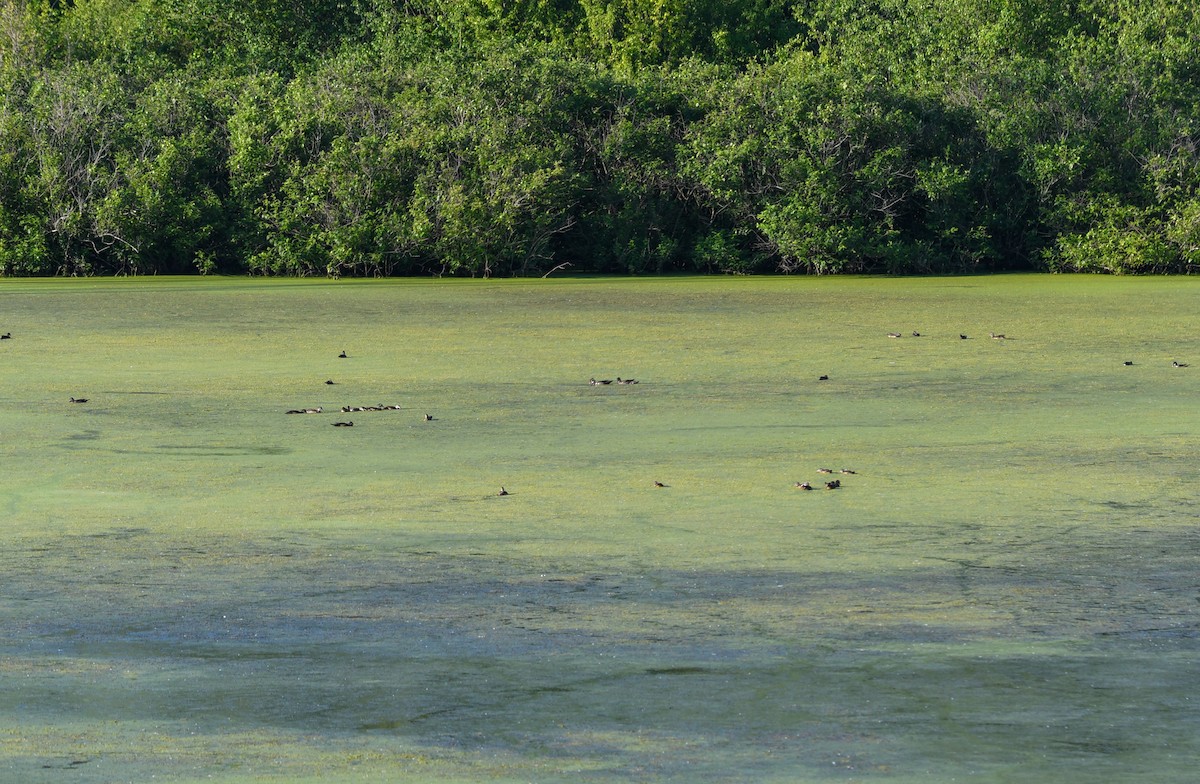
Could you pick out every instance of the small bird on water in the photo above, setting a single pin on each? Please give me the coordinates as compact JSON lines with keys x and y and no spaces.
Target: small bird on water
{"x":343,"y":424}
{"x":343,"y":355}
{"x":79,"y":400}
{"x":658,"y":483}
{"x":6,"y":336}
{"x":803,"y":485}
{"x":1178,"y":364}
{"x":502,"y":491}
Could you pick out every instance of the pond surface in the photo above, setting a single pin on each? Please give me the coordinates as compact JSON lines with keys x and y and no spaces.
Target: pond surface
{"x":198,"y":587}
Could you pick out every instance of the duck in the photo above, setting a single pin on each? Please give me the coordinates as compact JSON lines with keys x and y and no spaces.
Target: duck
{"x":803,"y":485}
{"x":502,"y":491}
{"x":823,"y":378}
{"x":330,"y":381}
{"x":1127,"y":363}
{"x":994,"y":336}
{"x":824,"y":470}
{"x":316,"y":410}
{"x":79,"y":400}
{"x":295,"y":411}
{"x":343,"y":355}
{"x":428,"y":417}
{"x":1178,"y":364}
{"x":594,"y":382}
{"x":626,"y":380}
{"x":834,"y":485}
{"x":893,"y":334}
{"x":847,"y":471}
{"x":962,"y":336}
{"x":658,"y":483}
{"x":343,"y":424}
{"x":6,"y":336}
{"x":916,"y":334}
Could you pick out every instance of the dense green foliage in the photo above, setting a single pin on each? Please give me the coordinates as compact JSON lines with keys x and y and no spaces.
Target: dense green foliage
{"x":501,"y":137}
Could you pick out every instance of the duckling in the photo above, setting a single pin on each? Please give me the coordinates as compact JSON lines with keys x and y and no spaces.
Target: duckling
{"x":343,"y":424}
{"x":594,"y":382}
{"x":893,"y":334}
{"x":803,"y":485}
{"x":79,"y":400}
{"x":824,"y":470}
{"x":343,"y":355}
{"x":502,"y":491}
{"x":1178,"y":364}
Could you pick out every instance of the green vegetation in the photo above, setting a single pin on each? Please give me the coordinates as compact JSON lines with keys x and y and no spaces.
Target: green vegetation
{"x":488,"y":138}
{"x":199,"y":587}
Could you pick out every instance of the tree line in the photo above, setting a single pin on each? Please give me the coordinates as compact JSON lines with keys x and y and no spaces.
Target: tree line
{"x":514,"y":137}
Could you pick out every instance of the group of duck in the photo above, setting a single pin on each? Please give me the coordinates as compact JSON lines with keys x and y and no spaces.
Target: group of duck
{"x":916,"y":334}
{"x":350,"y":409}
{"x":602,"y":382}
{"x":832,"y":484}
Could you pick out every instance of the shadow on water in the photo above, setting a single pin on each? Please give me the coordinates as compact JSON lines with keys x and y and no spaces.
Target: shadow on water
{"x":1079,"y":653}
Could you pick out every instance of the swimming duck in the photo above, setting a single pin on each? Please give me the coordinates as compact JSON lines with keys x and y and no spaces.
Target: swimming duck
{"x":824,"y":470}
{"x":916,"y":334}
{"x":6,"y":336}
{"x":502,"y":491}
{"x":1127,"y":363}
{"x":823,"y":378}
{"x":343,"y":424}
{"x":295,"y":411}
{"x":343,"y":355}
{"x":834,"y":485}
{"x":1178,"y":364}
{"x":594,"y":382}
{"x":962,"y":337}
{"x":428,"y":417}
{"x":626,"y":380}
{"x":330,"y":381}
{"x":79,"y":400}
{"x":658,"y":483}
{"x":994,"y":336}
{"x":847,"y":471}
{"x":803,"y":485}
{"x":893,"y":334}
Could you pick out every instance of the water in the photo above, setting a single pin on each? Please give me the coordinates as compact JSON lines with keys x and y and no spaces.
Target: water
{"x":197,"y":587}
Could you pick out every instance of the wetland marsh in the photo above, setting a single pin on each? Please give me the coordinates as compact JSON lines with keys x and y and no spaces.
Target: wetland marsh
{"x":198,"y":587}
